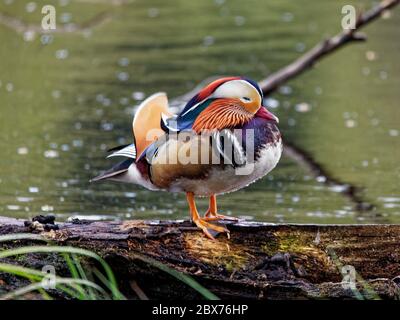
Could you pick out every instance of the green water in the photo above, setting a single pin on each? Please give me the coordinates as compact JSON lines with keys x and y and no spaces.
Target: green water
{"x":67,"y":97}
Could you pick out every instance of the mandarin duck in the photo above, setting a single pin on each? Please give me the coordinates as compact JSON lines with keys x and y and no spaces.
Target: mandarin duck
{"x":223,"y":140}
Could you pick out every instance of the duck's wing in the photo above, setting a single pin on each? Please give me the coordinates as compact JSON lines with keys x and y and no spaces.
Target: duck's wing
{"x":147,"y":121}
{"x":180,"y":158}
{"x":230,"y":147}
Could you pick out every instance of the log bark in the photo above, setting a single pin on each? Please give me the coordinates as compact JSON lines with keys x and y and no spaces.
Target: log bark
{"x":260,"y":261}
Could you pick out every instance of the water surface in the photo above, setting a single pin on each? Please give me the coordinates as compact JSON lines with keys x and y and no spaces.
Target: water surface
{"x":67,"y":97}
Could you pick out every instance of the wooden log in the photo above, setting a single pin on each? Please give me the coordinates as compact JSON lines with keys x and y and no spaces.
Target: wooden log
{"x":260,"y":261}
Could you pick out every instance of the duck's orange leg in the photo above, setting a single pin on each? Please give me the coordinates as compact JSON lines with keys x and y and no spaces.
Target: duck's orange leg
{"x":212,"y":212}
{"x":207,"y":228}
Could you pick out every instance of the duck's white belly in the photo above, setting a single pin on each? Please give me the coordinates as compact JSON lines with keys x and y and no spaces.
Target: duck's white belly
{"x":222,"y":180}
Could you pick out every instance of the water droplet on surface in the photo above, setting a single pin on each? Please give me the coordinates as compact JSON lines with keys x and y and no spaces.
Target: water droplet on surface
{"x":29,"y":35}
{"x":130,"y":194}
{"x":47,"y":208}
{"x":366,"y":71}
{"x":350,"y":123}
{"x":33,"y":189}
{"x":30,"y":7}
{"x":383,"y":75}
{"x":24,"y":199}
{"x":374,"y":122}
{"x":62,"y":54}
{"x":22,"y":150}
{"x":107,"y":126}
{"x":300,"y":47}
{"x":65,"y":17}
{"x":287,"y":17}
{"x":339,"y":188}
{"x":138,"y":95}
{"x":77,"y":143}
{"x":295,"y":199}
{"x":46,"y":39}
{"x":285,"y":90}
{"x":302,"y":107}
{"x":13,"y":207}
{"x":124,"y":101}
{"x":318,"y":90}
{"x":240,"y":21}
{"x":51,"y":154}
{"x":271,"y":103}
{"x":371,"y":55}
{"x":208,"y":41}
{"x":56,"y":94}
{"x":321,"y":179}
{"x":123,"y":62}
{"x":291,"y":122}
{"x":9,"y":87}
{"x":123,"y":76}
{"x":153,"y":12}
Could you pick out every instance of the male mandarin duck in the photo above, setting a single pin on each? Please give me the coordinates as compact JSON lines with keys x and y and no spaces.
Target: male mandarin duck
{"x":230,"y":140}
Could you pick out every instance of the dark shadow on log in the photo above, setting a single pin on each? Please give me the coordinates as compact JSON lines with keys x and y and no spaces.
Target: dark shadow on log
{"x":260,"y":261}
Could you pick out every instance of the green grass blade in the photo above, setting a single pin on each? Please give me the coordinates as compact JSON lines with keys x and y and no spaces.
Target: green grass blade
{"x":82,"y":274}
{"x":51,"y":249}
{"x":21,"y":236}
{"x":180,"y":276}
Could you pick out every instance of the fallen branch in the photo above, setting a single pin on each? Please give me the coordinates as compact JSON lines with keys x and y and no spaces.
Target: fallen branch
{"x":306,"y":61}
{"x":260,"y":261}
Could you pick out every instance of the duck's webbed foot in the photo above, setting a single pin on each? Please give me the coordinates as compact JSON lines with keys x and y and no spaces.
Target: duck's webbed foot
{"x":209,"y":229}
{"x":212,"y":212}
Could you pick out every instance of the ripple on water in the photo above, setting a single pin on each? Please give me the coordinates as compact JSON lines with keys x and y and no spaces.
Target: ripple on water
{"x":138,"y":95}
{"x":22,"y":150}
{"x":13,"y":207}
{"x":33,"y":189}
{"x":24,"y":199}
{"x":62,"y":54}
{"x":51,"y":154}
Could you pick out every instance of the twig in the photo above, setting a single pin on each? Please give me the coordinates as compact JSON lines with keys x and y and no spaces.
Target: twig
{"x":325,"y":47}
{"x":140,"y":293}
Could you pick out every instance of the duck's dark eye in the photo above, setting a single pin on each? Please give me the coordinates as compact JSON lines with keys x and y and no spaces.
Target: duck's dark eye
{"x":246,"y":98}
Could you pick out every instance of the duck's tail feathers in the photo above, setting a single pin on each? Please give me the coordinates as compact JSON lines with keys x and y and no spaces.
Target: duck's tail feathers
{"x":128,"y":150}
{"x":115,"y":171}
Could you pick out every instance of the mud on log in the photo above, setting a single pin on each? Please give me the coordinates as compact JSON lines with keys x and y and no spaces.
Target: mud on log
{"x":260,"y":261}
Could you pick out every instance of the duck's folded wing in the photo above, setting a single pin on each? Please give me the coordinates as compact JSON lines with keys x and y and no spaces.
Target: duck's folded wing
{"x":228,"y":145}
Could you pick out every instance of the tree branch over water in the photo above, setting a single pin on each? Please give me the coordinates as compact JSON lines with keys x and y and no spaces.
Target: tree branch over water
{"x":325,"y":47}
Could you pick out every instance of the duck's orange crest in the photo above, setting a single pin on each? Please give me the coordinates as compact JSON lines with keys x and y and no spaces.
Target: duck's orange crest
{"x":222,"y":114}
